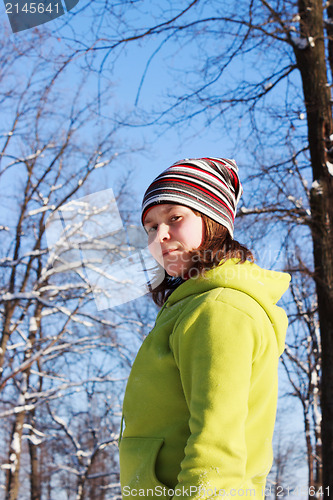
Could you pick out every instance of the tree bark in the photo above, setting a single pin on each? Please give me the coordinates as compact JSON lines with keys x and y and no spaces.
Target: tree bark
{"x":35,"y":480}
{"x":311,"y":62}
{"x":309,"y":448}
{"x":34,"y":473}
{"x":14,"y":459}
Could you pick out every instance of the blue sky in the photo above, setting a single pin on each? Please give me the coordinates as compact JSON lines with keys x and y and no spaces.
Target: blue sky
{"x":161,"y":149}
{"x":193,"y":139}
{"x":175,"y":144}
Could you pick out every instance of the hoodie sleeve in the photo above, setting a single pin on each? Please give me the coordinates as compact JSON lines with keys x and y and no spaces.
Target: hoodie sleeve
{"x":214,"y":347}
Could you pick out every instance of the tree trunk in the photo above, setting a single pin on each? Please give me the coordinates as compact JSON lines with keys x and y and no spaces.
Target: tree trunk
{"x":309,"y":448}
{"x":34,"y":473}
{"x":329,"y":31}
{"x":35,"y":482}
{"x":12,"y":482}
{"x":312,"y":65}
{"x":9,"y":309}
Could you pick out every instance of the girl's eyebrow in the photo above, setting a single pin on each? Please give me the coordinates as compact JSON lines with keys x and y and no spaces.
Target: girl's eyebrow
{"x":166,"y":210}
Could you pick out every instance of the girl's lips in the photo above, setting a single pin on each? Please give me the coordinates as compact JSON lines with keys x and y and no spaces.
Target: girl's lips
{"x":166,"y":252}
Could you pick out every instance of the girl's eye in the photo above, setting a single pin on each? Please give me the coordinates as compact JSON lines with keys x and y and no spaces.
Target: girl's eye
{"x":173,"y":218}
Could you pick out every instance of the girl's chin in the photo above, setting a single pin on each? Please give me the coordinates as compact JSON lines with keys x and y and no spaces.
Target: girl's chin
{"x":176,"y":273}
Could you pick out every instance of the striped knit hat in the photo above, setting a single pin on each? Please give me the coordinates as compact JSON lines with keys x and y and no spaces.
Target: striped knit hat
{"x":209,"y":185}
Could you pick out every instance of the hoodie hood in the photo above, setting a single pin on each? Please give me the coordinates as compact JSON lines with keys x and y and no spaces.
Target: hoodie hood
{"x":264,"y":286}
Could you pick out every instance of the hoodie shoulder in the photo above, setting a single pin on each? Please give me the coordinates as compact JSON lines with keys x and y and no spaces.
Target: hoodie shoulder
{"x":246,"y":287}
{"x":236,"y":301}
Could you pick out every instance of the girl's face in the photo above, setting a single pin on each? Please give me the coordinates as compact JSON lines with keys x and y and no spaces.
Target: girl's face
{"x":174,"y":231}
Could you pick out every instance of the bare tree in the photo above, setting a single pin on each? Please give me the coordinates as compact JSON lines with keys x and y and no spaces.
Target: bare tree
{"x":260,"y":71}
{"x":268,"y":66}
{"x":63,"y":363}
{"x":281,"y":481}
{"x":302,"y":361}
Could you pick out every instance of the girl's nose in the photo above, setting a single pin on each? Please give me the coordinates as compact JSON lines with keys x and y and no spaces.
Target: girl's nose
{"x":163,"y":232}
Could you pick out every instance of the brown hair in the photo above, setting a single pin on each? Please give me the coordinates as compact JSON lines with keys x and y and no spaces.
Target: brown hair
{"x":217,"y":247}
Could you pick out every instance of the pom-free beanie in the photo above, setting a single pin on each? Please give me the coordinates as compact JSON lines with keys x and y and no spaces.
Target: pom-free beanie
{"x":209,"y":185}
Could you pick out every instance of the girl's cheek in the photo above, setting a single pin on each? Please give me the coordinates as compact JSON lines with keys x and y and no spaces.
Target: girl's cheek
{"x":151,"y":249}
{"x":155,"y":250}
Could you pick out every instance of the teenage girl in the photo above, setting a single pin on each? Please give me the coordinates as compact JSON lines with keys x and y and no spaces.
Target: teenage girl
{"x":200,"y":403}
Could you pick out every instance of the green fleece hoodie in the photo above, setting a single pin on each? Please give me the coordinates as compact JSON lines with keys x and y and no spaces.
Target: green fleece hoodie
{"x":200,"y":402}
